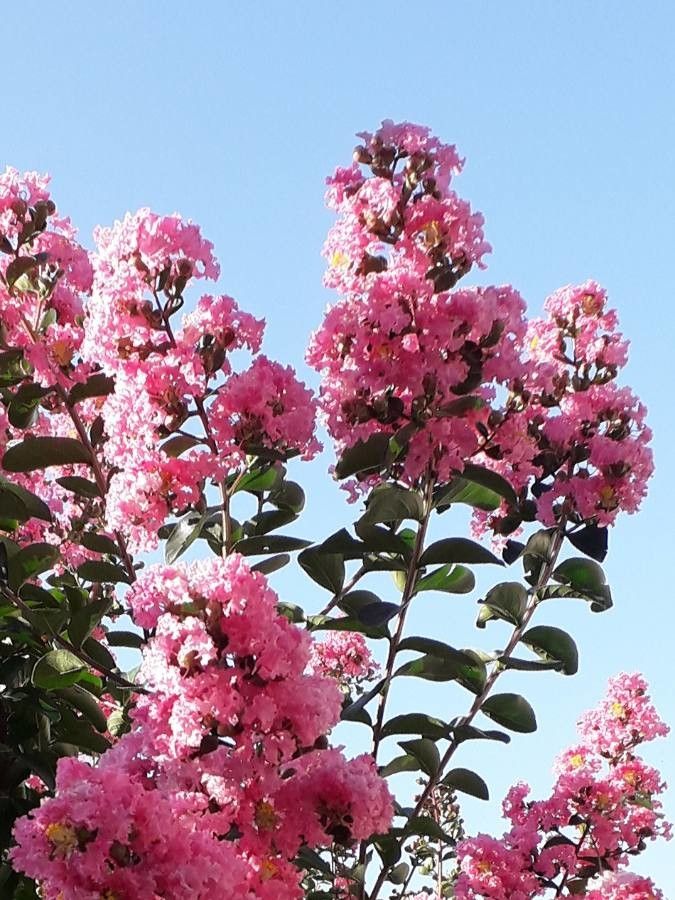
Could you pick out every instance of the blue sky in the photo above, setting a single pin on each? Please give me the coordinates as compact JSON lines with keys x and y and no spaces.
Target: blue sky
{"x":233,"y":113}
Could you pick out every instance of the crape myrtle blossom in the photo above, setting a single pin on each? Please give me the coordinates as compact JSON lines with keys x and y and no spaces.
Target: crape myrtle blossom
{"x":603,"y":809}
{"x":229,"y":741}
{"x":458,"y":375}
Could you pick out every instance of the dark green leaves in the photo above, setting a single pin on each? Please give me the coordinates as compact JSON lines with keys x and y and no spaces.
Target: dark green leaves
{"x":442,"y":662}
{"x":184,"y":533}
{"x":42,"y":452}
{"x":390,"y":503}
{"x":425,"y":752}
{"x":364,"y":457}
{"x":102,"y":572}
{"x":467,"y":782}
{"x":457,"y":550}
{"x":512,"y":711}
{"x":97,"y":385}
{"x":583,"y":574}
{"x":450,"y":579}
{"x":415,"y":723}
{"x":506,"y":601}
{"x":57,"y":669}
{"x":591,"y":540}
{"x":326,"y":569}
{"x":29,"y":562}
{"x":553,"y":644}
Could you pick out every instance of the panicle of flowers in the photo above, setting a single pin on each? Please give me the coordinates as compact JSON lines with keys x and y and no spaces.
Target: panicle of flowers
{"x":229,"y":744}
{"x":179,"y":418}
{"x":346,"y":657}
{"x":603,"y":809}
{"x":453,"y":375}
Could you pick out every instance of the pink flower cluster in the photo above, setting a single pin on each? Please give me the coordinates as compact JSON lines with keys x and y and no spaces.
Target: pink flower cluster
{"x":603,"y":809}
{"x":168,"y":377}
{"x":344,"y":656}
{"x":227,"y":767}
{"x":459,"y":375}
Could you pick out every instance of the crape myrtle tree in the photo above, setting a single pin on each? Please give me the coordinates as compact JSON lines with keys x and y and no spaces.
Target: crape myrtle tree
{"x":208,"y":770}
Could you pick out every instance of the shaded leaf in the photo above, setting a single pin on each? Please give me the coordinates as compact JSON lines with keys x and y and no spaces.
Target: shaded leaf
{"x":457,"y":550}
{"x":512,"y":711}
{"x":553,"y":644}
{"x":450,"y":579}
{"x":467,"y":782}
{"x":326,"y":569}
{"x":42,"y":452}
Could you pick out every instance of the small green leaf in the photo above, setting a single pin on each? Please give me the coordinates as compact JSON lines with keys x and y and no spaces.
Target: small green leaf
{"x":99,"y":543}
{"x":81,"y":699}
{"x":467,"y":782}
{"x":457,"y":550}
{"x":269,"y":543}
{"x":415,"y":723}
{"x":553,"y":644}
{"x":425,"y":751}
{"x":57,"y":669}
{"x":506,"y":601}
{"x":42,"y":452}
{"x":101,"y":572}
{"x":583,"y":574}
{"x":258,"y":480}
{"x":425,"y":826}
{"x":182,"y":536}
{"x":449,"y":578}
{"x":364,"y":457}
{"x":125,"y":639}
{"x":82,"y":487}
{"x":405,"y":763}
{"x":272,"y":564}
{"x":179,"y":444}
{"x":391,"y":503}
{"x":512,"y":711}
{"x":29,"y":562}
{"x":97,"y":385}
{"x":326,"y":569}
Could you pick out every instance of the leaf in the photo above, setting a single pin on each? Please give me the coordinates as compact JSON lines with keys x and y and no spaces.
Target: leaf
{"x":125,"y":639}
{"x":97,"y":385}
{"x":351,"y":711}
{"x":80,"y":486}
{"x":378,"y":613}
{"x":57,"y":669}
{"x":267,"y":521}
{"x":399,"y":873}
{"x":42,"y":452}
{"x":326,"y":569}
{"x":101,"y":572}
{"x":31,"y":561}
{"x":452,"y":665}
{"x":425,"y":826}
{"x":182,"y":536}
{"x":354,"y":601}
{"x":471,"y":733}
{"x":512,"y":711}
{"x":343,"y":543}
{"x":457,"y":550}
{"x":391,"y":503}
{"x":272,"y":564}
{"x":583,"y":574}
{"x":99,"y":543}
{"x":450,"y":579}
{"x":415,"y":723}
{"x":347,"y":623}
{"x":426,"y":752}
{"x":83,"y":622}
{"x":512,"y":551}
{"x":258,"y":481}
{"x":507,"y":601}
{"x":179,"y":444}
{"x":405,"y":763}
{"x":269,"y":543}
{"x":529,"y":665}
{"x":381,"y":540}
{"x":467,"y":782}
{"x":81,"y":699}
{"x":462,"y":491}
{"x":491,"y":480}
{"x":33,"y":505}
{"x":553,"y":644}
{"x":364,"y":457}
{"x":288,"y":495}
{"x":591,"y":540}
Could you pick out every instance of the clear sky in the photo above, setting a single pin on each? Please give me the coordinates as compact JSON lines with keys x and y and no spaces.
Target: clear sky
{"x":233,"y":113}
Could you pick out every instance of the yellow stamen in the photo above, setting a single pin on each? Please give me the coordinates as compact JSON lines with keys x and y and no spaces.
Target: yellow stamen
{"x":63,"y":838}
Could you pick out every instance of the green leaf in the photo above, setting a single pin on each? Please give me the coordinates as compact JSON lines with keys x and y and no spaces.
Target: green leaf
{"x":591,"y":540}
{"x":354,"y":601}
{"x":415,"y":723}
{"x":378,"y":613}
{"x":491,"y":480}
{"x":267,"y":521}
{"x":87,"y":704}
{"x":426,"y":752}
{"x":583,"y":574}
{"x":42,"y":452}
{"x":179,"y":444}
{"x":272,"y":564}
{"x":467,"y":782}
{"x":391,"y":503}
{"x":33,"y":504}
{"x":99,"y":543}
{"x":447,"y":664}
{"x":364,"y":457}
{"x":269,"y":543}
{"x":97,"y":385}
{"x":183,"y":535}
{"x":258,"y":481}
{"x":507,"y":601}
{"x":425,"y":826}
{"x":80,"y":486}
{"x":449,"y":579}
{"x":553,"y":644}
{"x":29,"y":562}
{"x":405,"y":763}
{"x":381,"y":540}
{"x":124,"y":639}
{"x":288,"y":495}
{"x":347,"y":623}
{"x":83,"y":622}
{"x":463,"y":733}
{"x":399,"y":873}
{"x":102,"y":572}
{"x":457,"y":550}
{"x":343,"y":543}
{"x":57,"y":669}
{"x":512,"y":711}
{"x":326,"y":569}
